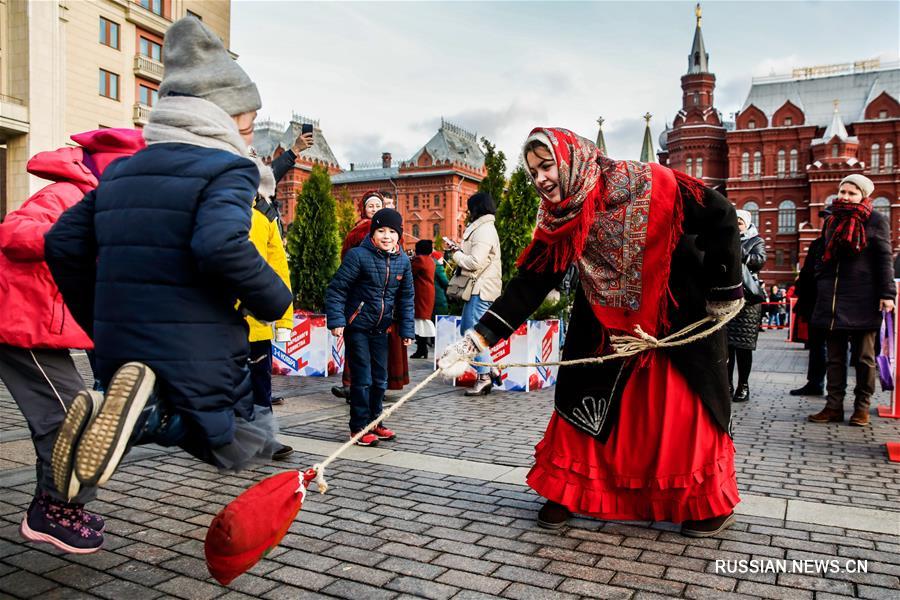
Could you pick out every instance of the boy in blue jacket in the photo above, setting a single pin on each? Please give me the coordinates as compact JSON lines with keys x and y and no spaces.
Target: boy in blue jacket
{"x":372,"y":286}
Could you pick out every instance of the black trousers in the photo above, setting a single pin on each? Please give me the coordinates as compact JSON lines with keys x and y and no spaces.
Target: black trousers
{"x":43,"y":383}
{"x":261,"y":372}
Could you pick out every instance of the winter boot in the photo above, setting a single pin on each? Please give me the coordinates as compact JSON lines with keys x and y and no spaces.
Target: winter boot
{"x":482,"y":387}
{"x":60,"y":525}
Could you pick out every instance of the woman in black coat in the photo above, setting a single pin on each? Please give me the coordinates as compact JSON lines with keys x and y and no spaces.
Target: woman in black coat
{"x":744,"y":328}
{"x":854,"y":284}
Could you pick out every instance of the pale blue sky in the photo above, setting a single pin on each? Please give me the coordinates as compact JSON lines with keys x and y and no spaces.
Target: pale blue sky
{"x":379,"y":75}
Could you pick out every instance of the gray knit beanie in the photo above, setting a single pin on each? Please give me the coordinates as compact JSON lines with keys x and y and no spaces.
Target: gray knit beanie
{"x":197,"y":64}
{"x":864,"y":184}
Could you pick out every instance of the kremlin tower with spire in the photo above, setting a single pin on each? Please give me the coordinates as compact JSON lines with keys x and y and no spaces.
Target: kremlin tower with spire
{"x":695,"y":144}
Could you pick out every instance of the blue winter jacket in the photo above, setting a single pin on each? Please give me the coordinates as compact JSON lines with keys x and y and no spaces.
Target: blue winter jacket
{"x":151,"y":264}
{"x":367,"y":288}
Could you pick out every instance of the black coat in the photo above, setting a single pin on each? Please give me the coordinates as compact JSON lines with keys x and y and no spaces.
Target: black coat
{"x":805,"y":286}
{"x":743,"y":330}
{"x":152,"y":263}
{"x":705,"y":266}
{"x":849,"y":287}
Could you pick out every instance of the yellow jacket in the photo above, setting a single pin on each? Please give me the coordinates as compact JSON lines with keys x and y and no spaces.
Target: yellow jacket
{"x":265,"y":236}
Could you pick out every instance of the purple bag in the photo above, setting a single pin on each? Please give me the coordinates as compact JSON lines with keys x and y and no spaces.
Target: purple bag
{"x":883,"y":360}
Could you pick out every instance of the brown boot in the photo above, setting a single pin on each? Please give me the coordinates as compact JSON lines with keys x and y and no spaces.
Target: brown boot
{"x":707,"y":527}
{"x":553,"y":515}
{"x":827,"y":415}
{"x":860,"y":417}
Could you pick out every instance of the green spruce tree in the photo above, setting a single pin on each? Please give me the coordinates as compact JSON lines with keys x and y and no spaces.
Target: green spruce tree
{"x":516,"y":218}
{"x":346,"y":213}
{"x":312,"y":242}
{"x":494,"y":181}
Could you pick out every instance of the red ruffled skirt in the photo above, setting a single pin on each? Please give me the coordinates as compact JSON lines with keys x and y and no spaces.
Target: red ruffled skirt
{"x":665,"y":459}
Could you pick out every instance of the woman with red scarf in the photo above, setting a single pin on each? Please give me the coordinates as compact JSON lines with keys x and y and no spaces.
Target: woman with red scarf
{"x":854,"y":283}
{"x":644,"y":438}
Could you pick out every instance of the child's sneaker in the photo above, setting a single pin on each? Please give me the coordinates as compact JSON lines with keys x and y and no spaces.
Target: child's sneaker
{"x":103,"y":444}
{"x":383,"y":433}
{"x":47,"y":520}
{"x":367,"y":440}
{"x":83,"y":409}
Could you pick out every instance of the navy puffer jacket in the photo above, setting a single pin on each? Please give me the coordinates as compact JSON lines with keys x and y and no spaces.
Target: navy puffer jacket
{"x":368,"y":287}
{"x":151,"y":264}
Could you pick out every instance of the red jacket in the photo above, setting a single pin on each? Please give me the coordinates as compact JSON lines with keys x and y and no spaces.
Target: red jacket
{"x":423,"y":282}
{"x":34,"y":315}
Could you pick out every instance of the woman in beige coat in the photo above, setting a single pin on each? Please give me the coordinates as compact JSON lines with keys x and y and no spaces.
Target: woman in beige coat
{"x":478,"y":262}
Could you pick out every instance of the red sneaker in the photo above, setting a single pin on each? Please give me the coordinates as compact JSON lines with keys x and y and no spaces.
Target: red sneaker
{"x":383,"y":433}
{"x":367,"y":440}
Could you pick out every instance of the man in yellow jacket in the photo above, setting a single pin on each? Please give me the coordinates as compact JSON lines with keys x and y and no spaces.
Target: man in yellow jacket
{"x":265,"y":234}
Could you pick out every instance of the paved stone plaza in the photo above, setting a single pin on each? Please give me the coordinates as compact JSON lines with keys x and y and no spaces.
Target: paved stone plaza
{"x":443,"y":512}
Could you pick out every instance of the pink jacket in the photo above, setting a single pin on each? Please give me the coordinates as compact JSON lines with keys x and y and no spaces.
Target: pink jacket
{"x":34,"y":315}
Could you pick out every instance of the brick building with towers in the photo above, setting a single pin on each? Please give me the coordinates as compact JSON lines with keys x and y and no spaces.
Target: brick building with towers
{"x":795,"y":137}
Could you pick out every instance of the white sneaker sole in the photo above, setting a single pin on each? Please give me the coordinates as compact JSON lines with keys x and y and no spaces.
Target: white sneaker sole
{"x":81,"y":412}
{"x":34,"y":536}
{"x":102,"y":446}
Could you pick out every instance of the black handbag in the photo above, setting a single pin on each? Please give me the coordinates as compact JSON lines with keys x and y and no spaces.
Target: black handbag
{"x":753,"y":290}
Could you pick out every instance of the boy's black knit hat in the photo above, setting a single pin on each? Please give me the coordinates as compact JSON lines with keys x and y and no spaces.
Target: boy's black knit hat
{"x":387,"y":217}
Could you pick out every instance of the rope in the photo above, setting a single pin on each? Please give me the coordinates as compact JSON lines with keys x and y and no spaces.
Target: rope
{"x":623,"y":346}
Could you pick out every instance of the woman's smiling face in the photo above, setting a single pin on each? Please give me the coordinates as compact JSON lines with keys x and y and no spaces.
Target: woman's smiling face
{"x":544,"y":171}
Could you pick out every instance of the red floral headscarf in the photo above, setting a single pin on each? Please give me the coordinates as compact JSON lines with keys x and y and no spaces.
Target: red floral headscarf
{"x":562,"y":228}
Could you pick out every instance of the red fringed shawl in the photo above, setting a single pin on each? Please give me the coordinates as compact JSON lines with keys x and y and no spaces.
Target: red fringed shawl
{"x":620,"y":222}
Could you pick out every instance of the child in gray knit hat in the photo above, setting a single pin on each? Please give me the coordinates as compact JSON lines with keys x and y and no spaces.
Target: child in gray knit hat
{"x":153,"y":263}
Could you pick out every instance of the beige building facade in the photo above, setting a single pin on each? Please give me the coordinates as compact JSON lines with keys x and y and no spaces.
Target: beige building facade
{"x":68,"y":66}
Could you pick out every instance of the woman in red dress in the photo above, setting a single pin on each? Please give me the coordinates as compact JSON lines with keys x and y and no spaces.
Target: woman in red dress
{"x":643,"y":438}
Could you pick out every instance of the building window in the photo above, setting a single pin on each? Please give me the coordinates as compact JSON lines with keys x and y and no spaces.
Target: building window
{"x":779,"y":258}
{"x":882,"y":205}
{"x":147,"y":95}
{"x":888,"y":158}
{"x":436,"y":230}
{"x":698,"y":169}
{"x":109,"y":33}
{"x":794,"y":158}
{"x":875,"y":158}
{"x":882,"y":114}
{"x":752,"y":208}
{"x":696,"y":98}
{"x":415,"y":230}
{"x":757,"y":164}
{"x":154,"y":6}
{"x":745,"y":165}
{"x":834,"y":151}
{"x":109,"y":85}
{"x":787,"y":217}
{"x":437,"y":200}
{"x":751,"y":124}
{"x":150,"y":49}
{"x":781,"y":163}
{"x":689,"y":166}
{"x":788,"y":121}
{"x":415,"y":203}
